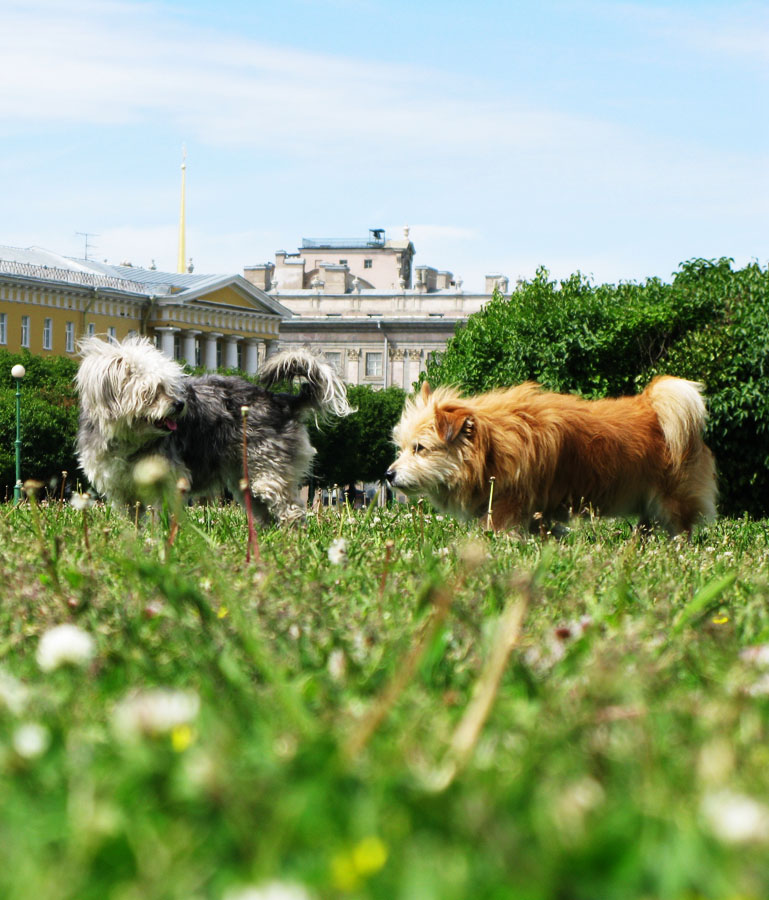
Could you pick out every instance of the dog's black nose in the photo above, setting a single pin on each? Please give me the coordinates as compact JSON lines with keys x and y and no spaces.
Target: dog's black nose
{"x":178,"y":406}
{"x":390,"y":475}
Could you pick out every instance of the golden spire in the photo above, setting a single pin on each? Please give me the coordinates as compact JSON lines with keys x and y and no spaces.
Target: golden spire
{"x":180,"y":265}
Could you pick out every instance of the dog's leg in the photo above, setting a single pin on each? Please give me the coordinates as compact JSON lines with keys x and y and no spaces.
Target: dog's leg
{"x":276,"y":469}
{"x":275,"y":496}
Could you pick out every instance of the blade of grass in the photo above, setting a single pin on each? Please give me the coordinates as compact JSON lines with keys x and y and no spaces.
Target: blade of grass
{"x":705,"y":597}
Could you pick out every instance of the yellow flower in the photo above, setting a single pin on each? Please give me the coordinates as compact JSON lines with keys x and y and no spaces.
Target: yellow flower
{"x":222,"y":612}
{"x":348,"y":869}
{"x":181,"y":737}
{"x":369,"y":855}
{"x":720,"y":620}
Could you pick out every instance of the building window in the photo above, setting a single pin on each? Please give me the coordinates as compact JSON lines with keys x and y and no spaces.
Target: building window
{"x":47,"y":334}
{"x":177,"y":346}
{"x":91,"y":329}
{"x":342,"y":262}
{"x":373,"y":365}
{"x":335,"y":358}
{"x":218,"y":354}
{"x":25,"y":331}
{"x":112,"y":334}
{"x":3,"y":328}
{"x":368,"y":263}
{"x":69,"y":337}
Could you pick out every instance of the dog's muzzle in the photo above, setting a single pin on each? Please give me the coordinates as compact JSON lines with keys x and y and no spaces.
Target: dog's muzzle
{"x":390,"y":476}
{"x":169,"y":423}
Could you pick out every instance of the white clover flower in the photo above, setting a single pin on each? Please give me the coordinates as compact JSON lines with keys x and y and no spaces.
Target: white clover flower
{"x":150,"y":470}
{"x":736,"y":818}
{"x":760,"y":687}
{"x":337,"y":552}
{"x":154,"y":712}
{"x":82,"y":501}
{"x":271,"y":890}
{"x":13,"y":694}
{"x":31,"y":740}
{"x":64,"y":644}
{"x":758,"y":654}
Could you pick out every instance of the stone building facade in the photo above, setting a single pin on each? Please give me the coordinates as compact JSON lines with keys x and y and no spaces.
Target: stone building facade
{"x":364,"y":304}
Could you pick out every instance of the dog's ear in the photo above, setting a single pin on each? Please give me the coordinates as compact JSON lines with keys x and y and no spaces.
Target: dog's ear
{"x":451,"y":422}
{"x":425,"y":391}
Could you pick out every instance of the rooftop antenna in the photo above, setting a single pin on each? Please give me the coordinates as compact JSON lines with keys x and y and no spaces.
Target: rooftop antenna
{"x":180,"y":263}
{"x":88,"y":244}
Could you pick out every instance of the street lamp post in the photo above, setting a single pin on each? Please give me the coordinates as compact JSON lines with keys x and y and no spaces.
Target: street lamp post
{"x":18,"y":373}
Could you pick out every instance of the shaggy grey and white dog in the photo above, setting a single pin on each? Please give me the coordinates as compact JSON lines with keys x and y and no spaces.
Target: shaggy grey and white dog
{"x":136,"y":403}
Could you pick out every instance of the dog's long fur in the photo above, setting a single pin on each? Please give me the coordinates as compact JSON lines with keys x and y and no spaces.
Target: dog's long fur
{"x":553,"y":453}
{"x":135,"y":403}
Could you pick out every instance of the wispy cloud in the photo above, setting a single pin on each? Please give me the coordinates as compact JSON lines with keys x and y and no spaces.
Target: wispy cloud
{"x":119,"y":63}
{"x":730,"y":33}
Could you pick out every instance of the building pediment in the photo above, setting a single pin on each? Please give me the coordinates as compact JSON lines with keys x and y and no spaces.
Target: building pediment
{"x":231,"y":292}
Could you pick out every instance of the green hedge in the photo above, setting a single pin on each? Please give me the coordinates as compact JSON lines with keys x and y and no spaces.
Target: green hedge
{"x":49,"y":414}
{"x":710,"y":324}
{"x":358,"y":447}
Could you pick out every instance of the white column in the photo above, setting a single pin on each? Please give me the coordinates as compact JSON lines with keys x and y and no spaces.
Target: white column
{"x":188,"y":346}
{"x":230,"y":355}
{"x":167,"y":333}
{"x":270,"y":349}
{"x":251,"y":357}
{"x":209,"y":350}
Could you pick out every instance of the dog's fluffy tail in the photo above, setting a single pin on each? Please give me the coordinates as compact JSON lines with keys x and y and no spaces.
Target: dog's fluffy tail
{"x":681,"y":412}
{"x":323,"y":391}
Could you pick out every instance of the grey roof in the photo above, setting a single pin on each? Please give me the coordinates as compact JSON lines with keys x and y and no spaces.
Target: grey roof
{"x":35,"y":262}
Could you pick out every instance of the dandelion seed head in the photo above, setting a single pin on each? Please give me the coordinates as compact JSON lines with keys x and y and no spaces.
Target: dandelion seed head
{"x":82,"y":501}
{"x":736,"y":818}
{"x":270,"y":890}
{"x":31,"y":740}
{"x":337,"y":552}
{"x":62,"y":645}
{"x":154,"y":712}
{"x":337,"y":665}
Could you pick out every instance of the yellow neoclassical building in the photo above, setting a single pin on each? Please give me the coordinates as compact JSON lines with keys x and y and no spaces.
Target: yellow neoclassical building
{"x":49,"y":301}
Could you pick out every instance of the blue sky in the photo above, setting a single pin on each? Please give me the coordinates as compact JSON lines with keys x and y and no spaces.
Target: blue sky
{"x":615,"y":138}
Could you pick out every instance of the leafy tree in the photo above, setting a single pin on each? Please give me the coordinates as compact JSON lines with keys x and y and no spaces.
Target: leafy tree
{"x":49,"y":415}
{"x":358,"y":447}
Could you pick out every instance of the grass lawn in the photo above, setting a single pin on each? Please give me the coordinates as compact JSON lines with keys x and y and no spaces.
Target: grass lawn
{"x":426,"y":712}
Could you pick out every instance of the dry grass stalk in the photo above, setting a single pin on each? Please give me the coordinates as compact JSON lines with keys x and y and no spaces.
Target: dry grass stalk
{"x":385,"y":568}
{"x":489,"y":514}
{"x":467,"y":733}
{"x":253,"y":544}
{"x":403,"y":674}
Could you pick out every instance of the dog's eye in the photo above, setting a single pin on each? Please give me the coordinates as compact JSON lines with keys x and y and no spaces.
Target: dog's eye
{"x":418,"y":448}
